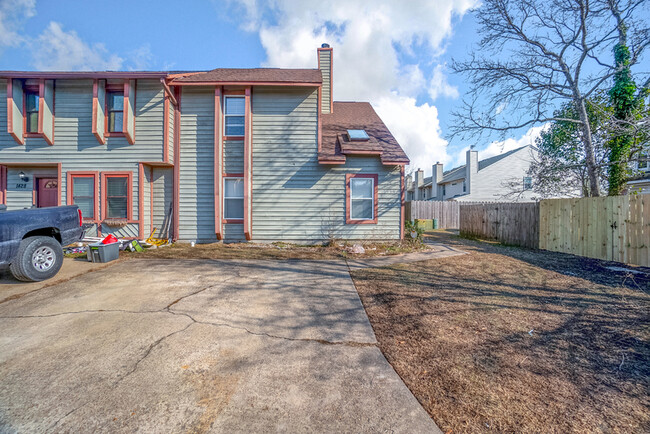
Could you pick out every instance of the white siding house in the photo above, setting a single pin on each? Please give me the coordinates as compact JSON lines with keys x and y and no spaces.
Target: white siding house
{"x":499,"y":178}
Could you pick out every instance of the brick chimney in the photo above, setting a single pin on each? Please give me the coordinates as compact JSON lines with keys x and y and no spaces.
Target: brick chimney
{"x":471,"y":168}
{"x":436,"y":177}
{"x":325,"y":66}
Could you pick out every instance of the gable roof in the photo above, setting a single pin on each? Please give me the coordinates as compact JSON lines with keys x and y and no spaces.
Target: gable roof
{"x":252,"y":75}
{"x":357,"y":116}
{"x":459,"y":172}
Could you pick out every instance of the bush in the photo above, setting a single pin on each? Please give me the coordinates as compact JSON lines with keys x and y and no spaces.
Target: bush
{"x":413,"y":232}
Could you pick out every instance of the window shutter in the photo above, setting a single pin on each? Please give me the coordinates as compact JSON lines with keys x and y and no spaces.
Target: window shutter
{"x":46,"y":111}
{"x":129,"y":111}
{"x":15,"y":110}
{"x":99,"y":117}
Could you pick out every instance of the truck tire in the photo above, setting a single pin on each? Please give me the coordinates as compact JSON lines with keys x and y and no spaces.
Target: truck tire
{"x":38,"y":258}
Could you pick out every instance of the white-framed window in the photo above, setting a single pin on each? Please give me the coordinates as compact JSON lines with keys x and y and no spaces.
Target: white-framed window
{"x":528,"y":183}
{"x":362,"y":199}
{"x":233,"y":198}
{"x":643,"y":163}
{"x":464,"y":186}
{"x":235,"y":116}
{"x":444,"y":189}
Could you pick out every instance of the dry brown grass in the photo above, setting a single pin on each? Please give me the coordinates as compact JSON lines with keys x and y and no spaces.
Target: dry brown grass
{"x":274,"y":251}
{"x":457,"y":331}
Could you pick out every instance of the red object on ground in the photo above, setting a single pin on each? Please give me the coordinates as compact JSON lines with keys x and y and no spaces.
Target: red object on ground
{"x":110,"y":239}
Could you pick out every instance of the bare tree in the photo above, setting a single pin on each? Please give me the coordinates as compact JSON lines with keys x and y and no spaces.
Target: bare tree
{"x":536,"y":55}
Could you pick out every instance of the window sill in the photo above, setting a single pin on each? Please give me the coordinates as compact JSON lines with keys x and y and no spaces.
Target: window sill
{"x":361,"y":222}
{"x":233,"y":221}
{"x":233,"y":138}
{"x":115,"y":134}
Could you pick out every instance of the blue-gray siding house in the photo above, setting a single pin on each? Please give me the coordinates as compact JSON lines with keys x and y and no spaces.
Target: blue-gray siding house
{"x":257,"y":154}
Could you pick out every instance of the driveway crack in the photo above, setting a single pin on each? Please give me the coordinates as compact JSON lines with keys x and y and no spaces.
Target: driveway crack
{"x":150,"y":349}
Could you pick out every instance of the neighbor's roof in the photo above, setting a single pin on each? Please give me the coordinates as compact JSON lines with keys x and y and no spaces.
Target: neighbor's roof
{"x":358,"y":116}
{"x":251,"y":75}
{"x":459,"y":172}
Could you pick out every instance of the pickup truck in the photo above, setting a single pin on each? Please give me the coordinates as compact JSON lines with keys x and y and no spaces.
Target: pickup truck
{"x":31,"y":240}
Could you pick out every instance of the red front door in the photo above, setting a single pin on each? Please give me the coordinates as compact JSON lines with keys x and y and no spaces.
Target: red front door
{"x":47,"y":193}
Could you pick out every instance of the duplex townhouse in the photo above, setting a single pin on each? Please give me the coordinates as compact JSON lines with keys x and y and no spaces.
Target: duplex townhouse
{"x":256,"y":154}
{"x":502,"y":177}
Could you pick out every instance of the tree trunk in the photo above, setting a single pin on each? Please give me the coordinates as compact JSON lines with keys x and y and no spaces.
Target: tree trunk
{"x":590,"y":157}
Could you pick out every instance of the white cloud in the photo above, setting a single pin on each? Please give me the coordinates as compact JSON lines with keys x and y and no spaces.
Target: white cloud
{"x":12,"y":15}
{"x":500,"y":147}
{"x":418,"y":131}
{"x":439,"y":86}
{"x":58,"y":50}
{"x":140,"y":58}
{"x":364,"y":36}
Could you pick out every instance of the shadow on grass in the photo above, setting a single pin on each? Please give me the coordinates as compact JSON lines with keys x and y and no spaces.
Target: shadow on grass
{"x":515,"y":339}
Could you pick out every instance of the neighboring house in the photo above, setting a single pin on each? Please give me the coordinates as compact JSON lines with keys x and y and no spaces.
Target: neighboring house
{"x":641,"y":182}
{"x":499,"y":178}
{"x":228,"y":154}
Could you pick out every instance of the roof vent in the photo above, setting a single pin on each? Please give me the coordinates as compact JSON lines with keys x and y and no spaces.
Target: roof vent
{"x":325,"y":45}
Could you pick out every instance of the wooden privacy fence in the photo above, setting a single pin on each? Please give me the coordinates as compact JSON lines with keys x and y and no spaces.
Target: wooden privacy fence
{"x":445,"y":212}
{"x":615,"y":228}
{"x":509,"y":223}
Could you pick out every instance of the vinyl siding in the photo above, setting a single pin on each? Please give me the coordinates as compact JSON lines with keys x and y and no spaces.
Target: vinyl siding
{"x":233,"y":156}
{"x":162,"y":194}
{"x":196,"y":212}
{"x":294,"y":197}
{"x":146,"y":203}
{"x":498,"y":181}
{"x":76,"y":147}
{"x":233,"y":232}
{"x":170,"y":116}
{"x":324,"y":57}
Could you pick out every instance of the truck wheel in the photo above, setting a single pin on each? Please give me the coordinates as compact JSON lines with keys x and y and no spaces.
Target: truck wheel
{"x":38,"y":258}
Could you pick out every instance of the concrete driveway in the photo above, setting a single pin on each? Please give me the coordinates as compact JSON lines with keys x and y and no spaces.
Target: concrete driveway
{"x":197,"y":345}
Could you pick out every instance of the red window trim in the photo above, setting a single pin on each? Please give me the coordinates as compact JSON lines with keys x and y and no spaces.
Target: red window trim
{"x":129,"y":190}
{"x":70,"y":192}
{"x":124,"y":89}
{"x":112,"y":89}
{"x":238,"y":94}
{"x":223,"y":200}
{"x":38,"y":89}
{"x":350,"y":176}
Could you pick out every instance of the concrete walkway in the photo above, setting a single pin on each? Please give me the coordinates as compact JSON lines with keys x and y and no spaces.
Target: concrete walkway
{"x":434,"y":251}
{"x":199,"y":345}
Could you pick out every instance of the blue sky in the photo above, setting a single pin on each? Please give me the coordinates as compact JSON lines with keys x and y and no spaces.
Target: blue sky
{"x":391,"y":55}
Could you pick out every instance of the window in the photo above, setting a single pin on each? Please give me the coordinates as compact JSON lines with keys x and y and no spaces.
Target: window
{"x":444,"y":189}
{"x":233,"y":198}
{"x":31,"y":111}
{"x":115,"y":111}
{"x":643,"y":162}
{"x":235,"y":116}
{"x":358,"y":135}
{"x":117,"y":197}
{"x":83,"y":195}
{"x":464,"y":186}
{"x":361,"y":198}
{"x":528,"y":183}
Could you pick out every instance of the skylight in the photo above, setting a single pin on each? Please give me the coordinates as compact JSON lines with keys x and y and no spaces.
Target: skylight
{"x":358,"y":135}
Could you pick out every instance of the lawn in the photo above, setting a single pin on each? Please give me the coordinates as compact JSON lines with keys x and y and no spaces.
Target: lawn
{"x":514,"y":340}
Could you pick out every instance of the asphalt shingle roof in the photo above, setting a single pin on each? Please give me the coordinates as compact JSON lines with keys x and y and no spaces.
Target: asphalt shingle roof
{"x":358,"y":116}
{"x":253,"y":75}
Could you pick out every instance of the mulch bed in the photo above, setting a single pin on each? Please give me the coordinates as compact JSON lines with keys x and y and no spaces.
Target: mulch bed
{"x":515,"y":340}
